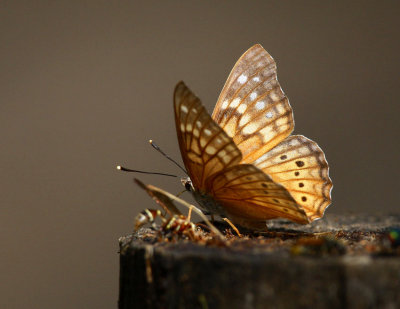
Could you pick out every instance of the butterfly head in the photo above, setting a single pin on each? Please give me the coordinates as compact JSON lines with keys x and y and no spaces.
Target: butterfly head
{"x":187,"y":183}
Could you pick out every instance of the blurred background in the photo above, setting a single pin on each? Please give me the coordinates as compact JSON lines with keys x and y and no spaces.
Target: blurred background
{"x":84,"y":85}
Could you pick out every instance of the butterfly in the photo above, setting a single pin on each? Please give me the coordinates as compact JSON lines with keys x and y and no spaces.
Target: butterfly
{"x":242,"y":162}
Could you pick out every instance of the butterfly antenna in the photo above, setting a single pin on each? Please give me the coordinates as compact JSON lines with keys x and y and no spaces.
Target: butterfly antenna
{"x":155,"y":146}
{"x":121,"y":168}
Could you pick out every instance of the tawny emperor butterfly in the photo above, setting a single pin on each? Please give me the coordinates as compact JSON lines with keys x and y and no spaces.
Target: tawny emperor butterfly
{"x":241,"y":161}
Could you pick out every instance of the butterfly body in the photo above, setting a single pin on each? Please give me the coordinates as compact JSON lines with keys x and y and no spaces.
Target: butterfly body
{"x":209,"y":204}
{"x":241,"y":161}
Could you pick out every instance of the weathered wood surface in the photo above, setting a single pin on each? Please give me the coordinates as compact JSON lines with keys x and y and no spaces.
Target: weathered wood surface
{"x":354,"y":265}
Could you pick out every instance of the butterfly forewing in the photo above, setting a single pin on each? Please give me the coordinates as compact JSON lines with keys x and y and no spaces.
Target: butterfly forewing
{"x":205,"y":147}
{"x":252,"y":107}
{"x":248,"y":193}
{"x":300,"y":165}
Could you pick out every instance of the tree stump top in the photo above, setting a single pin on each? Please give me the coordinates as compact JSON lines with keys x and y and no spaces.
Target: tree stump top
{"x":348,"y":261}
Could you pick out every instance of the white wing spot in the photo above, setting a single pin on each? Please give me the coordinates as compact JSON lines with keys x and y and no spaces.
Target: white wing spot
{"x":218,"y":140}
{"x":184,"y":109}
{"x":196,"y":132}
{"x":198,"y":123}
{"x":242,"y":108}
{"x":294,"y":142}
{"x":245,"y":119}
{"x":269,"y":115}
{"x":253,"y":95}
{"x":301,"y":151}
{"x":226,"y":159}
{"x":207,"y":132}
{"x":267,"y":133}
{"x":256,"y":79}
{"x":211,"y":150}
{"x":189,"y":127}
{"x":281,"y":108}
{"x":249,"y":129}
{"x":281,"y":122}
{"x":225,"y":104}
{"x":203,"y":142}
{"x":182,"y":127}
{"x":230,"y":128}
{"x":235,"y":103}
{"x":260,"y":105}
{"x":242,"y":79}
{"x":274,"y":96}
{"x":230,"y":148}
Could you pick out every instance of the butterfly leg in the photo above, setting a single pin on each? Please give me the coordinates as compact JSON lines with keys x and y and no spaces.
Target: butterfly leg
{"x":232,"y":226}
{"x":190,"y":213}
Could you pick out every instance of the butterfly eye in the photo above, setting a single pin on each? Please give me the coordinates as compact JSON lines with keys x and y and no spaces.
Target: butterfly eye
{"x":187,"y":183}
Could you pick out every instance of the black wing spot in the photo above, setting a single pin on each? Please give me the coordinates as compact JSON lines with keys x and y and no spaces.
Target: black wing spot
{"x":276,"y":201}
{"x":303,"y":198}
{"x":264,"y":185}
{"x":296,"y":173}
{"x":284,"y":157}
{"x":265,"y":191}
{"x":249,"y":178}
{"x":301,"y":185}
{"x":285,"y":209}
{"x":300,"y":163}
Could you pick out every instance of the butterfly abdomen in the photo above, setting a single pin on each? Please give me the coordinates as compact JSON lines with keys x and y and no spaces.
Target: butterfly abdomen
{"x":209,"y":204}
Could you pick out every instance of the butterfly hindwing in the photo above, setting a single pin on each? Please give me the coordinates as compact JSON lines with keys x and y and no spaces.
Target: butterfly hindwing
{"x":249,"y":195}
{"x":205,"y":147}
{"x":252,"y":107}
{"x":299,"y":164}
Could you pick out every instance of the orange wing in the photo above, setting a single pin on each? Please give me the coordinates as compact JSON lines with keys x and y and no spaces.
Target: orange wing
{"x":252,"y":108}
{"x":206,"y":149}
{"x":255,"y":112}
{"x":257,"y":118}
{"x":300,"y":165}
{"x":250,"y":197}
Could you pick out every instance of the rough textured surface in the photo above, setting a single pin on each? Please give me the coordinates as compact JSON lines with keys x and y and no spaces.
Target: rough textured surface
{"x":337,"y":262}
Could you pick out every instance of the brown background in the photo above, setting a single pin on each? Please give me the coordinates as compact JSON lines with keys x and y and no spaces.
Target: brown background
{"x":83,"y":87}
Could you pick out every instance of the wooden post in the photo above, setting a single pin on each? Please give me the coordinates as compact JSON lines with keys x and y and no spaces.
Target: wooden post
{"x":336,"y":262}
